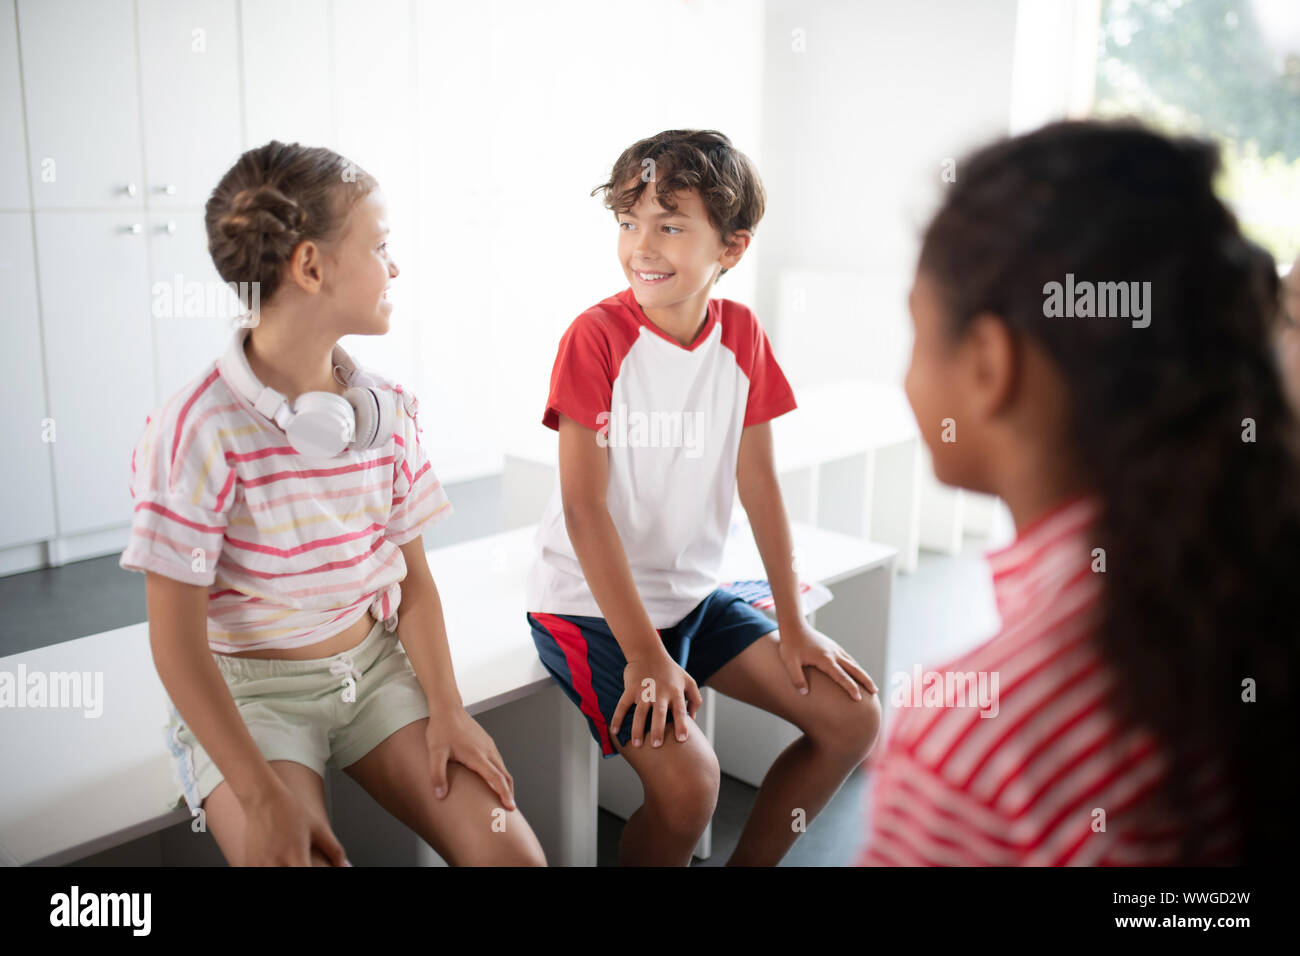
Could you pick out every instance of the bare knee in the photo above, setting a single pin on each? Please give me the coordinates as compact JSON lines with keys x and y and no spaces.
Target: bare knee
{"x":849,"y":729}
{"x":530,"y":854}
{"x":682,"y":794}
{"x":501,"y":837}
{"x":510,"y":841}
{"x":515,"y":846}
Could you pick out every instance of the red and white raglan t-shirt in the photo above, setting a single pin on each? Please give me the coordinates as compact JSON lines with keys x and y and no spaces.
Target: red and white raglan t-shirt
{"x":670,"y":417}
{"x":1039,"y":773}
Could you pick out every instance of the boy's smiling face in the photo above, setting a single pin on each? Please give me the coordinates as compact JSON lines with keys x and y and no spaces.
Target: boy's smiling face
{"x":670,"y":257}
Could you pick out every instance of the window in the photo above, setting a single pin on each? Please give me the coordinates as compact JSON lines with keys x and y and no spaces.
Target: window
{"x":1226,"y":70}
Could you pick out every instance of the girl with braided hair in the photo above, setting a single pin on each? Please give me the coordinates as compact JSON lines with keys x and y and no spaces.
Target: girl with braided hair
{"x":280,"y":499}
{"x":1147,"y":659}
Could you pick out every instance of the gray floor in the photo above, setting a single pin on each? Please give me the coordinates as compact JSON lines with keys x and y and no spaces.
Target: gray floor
{"x":944,"y":607}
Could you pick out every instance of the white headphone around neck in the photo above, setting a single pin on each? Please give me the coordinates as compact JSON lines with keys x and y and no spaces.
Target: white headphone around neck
{"x":319,"y":424}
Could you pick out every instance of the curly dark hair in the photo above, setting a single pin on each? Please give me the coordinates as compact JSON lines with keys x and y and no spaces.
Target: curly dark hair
{"x":681,"y":159}
{"x":1200,"y":524}
{"x":273,"y":198}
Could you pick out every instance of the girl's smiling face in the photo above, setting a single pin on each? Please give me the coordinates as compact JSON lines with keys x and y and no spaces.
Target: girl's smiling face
{"x":671,"y":256}
{"x":361,"y":268}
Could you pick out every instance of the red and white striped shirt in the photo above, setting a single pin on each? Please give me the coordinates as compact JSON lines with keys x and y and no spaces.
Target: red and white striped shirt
{"x":293,"y":551}
{"x":1034,"y":782}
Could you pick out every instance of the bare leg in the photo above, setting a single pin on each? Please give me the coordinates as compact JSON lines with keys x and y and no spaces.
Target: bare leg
{"x":838,"y":733}
{"x":226,"y":819}
{"x":680,"y":780}
{"x":467,"y":827}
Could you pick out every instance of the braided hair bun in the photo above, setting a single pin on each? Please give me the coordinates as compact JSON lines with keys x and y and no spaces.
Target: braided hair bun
{"x":272,"y":199}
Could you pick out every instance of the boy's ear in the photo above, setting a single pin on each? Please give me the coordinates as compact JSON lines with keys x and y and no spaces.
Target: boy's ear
{"x":993,"y":351}
{"x":734,"y":247}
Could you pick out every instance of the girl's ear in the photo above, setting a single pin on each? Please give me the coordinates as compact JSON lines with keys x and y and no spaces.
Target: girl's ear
{"x":305,"y":266}
{"x":993,"y":352}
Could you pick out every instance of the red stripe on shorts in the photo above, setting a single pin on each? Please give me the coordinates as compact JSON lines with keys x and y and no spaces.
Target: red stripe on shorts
{"x":574,"y":645}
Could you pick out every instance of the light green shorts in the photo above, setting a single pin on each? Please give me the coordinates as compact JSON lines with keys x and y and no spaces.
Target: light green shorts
{"x":330,"y":711}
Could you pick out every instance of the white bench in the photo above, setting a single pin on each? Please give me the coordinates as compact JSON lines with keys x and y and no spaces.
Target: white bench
{"x":76,"y":786}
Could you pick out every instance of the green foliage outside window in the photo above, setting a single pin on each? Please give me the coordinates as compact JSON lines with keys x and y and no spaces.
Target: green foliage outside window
{"x":1212,"y":68}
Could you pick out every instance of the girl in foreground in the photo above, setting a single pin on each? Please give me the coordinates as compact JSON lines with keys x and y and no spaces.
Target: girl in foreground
{"x":1147,"y":658}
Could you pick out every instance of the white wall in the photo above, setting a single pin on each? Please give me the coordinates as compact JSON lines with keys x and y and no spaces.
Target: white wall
{"x":521,"y":113}
{"x":487,"y":125}
{"x":1055,"y":61}
{"x":856,"y":127}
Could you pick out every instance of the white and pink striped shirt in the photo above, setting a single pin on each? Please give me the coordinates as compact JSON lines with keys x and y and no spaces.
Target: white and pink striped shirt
{"x":292,"y":550}
{"x":1034,"y":782}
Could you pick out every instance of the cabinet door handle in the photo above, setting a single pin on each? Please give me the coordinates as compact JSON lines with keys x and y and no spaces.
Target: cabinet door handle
{"x":134,"y":229}
{"x":169,"y":228}
{"x":168,"y":190}
{"x":129,"y":190}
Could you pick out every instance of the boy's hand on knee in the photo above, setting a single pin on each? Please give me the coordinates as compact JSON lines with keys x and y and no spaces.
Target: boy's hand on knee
{"x":808,"y":647}
{"x":654,"y":687}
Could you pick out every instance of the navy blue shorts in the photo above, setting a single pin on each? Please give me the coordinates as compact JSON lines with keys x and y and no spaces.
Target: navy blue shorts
{"x":583,"y":657}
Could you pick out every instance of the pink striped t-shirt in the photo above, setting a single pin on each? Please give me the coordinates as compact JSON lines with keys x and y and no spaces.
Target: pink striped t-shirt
{"x":1049,"y":777}
{"x":293,"y":550}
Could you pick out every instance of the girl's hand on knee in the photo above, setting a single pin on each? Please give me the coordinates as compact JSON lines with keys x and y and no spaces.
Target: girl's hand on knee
{"x":280,"y":831}
{"x":455,"y":735}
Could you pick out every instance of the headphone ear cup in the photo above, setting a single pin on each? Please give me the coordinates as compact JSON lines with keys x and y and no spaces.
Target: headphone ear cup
{"x":375,"y":417}
{"x":322,"y":425}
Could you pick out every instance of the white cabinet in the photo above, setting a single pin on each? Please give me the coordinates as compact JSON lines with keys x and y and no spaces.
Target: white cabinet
{"x":94,"y":280}
{"x":117,"y":119}
{"x":186,"y":337}
{"x":169,"y":128}
{"x":13,"y":142}
{"x":82,"y":93}
{"x":28,"y":512}
{"x":189,"y":85}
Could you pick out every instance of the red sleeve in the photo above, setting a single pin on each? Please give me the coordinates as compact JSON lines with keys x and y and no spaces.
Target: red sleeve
{"x":770,"y":394}
{"x":582,"y":379}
